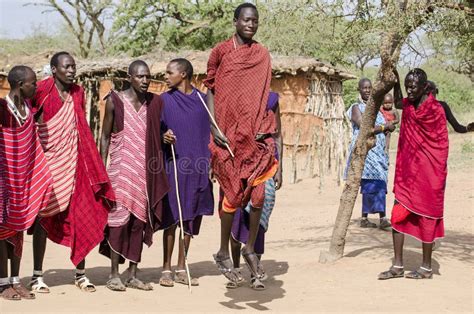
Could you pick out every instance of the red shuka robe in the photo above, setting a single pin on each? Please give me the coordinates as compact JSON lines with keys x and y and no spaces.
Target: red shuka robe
{"x":81,"y":227}
{"x":240,"y":79}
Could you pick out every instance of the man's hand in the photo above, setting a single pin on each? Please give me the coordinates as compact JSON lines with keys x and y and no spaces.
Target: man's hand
{"x":169,"y":137}
{"x":212,"y":178}
{"x":278,"y":178}
{"x":219,"y":139}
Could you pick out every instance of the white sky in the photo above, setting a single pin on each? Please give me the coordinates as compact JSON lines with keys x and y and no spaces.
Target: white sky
{"x":17,"y":20}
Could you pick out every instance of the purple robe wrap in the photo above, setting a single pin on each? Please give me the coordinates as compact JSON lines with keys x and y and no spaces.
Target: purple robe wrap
{"x":186,"y":116}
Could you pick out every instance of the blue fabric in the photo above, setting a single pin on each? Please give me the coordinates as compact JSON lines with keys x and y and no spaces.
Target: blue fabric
{"x":376,"y":163}
{"x":374,"y":194}
{"x":268,"y":203}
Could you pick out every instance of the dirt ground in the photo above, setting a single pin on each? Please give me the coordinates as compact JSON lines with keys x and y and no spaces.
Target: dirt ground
{"x":300,"y":228}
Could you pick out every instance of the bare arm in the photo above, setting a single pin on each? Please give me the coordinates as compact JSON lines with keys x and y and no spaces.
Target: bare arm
{"x":279,"y":145}
{"x":397,"y":92}
{"x":459,"y":128}
{"x":219,"y":139}
{"x":356,"y":118}
{"x":107,"y":128}
{"x":210,"y":106}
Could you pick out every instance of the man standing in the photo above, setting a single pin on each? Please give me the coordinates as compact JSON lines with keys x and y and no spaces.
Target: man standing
{"x":76,"y":213}
{"x":25,"y":180}
{"x":185,"y":114}
{"x":131,"y":120}
{"x":238,"y":81}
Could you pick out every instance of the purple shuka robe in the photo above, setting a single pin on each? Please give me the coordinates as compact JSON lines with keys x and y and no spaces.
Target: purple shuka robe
{"x":272,"y":101}
{"x":189,"y":121}
{"x":240,"y":224}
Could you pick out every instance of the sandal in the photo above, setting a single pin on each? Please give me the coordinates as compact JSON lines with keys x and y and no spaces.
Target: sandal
{"x":226,"y":268}
{"x":240,"y":279}
{"x":232,"y":285}
{"x":135,"y":283}
{"x":115,"y":284}
{"x":392,"y":273}
{"x":37,"y":285}
{"x":365,"y":223}
{"x":84,"y":284}
{"x":384,"y":224}
{"x":180,"y":276}
{"x":420,"y":273}
{"x":23,"y":292}
{"x":10,"y":294}
{"x":166,"y":279}
{"x":253,"y":263}
{"x":261,"y":271}
{"x":256,"y":284}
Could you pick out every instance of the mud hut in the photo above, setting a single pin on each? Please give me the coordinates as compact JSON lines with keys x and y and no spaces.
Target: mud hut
{"x":312,"y":109}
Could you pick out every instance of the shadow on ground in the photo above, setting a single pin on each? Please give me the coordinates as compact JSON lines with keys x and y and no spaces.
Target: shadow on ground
{"x":245,"y":297}
{"x":377,"y":244}
{"x":100,"y":275}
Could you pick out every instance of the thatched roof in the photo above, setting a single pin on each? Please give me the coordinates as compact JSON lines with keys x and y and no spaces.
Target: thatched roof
{"x":158,"y":61}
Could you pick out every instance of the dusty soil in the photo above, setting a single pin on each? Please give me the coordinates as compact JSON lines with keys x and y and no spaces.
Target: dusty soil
{"x":300,"y":228}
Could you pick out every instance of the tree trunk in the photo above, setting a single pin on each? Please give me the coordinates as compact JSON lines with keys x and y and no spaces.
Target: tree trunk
{"x":390,"y":52}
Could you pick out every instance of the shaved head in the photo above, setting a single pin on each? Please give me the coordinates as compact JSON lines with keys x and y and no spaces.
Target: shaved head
{"x":432,"y":86}
{"x":184,"y":66}
{"x":135,"y":65}
{"x":19,"y":74}
{"x":363,"y":80}
{"x":417,"y":74}
{"x":243,"y":6}
{"x":55,"y":58}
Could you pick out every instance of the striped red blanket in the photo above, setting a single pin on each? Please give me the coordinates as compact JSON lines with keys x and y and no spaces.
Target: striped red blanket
{"x":127,"y":169}
{"x":81,"y":225}
{"x":25,"y":180}
{"x":59,"y":140}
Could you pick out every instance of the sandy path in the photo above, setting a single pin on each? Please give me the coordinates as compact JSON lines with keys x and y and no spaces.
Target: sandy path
{"x":299,"y":229}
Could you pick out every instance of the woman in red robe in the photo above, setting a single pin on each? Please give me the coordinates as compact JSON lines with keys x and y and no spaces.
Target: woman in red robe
{"x":420,"y":174}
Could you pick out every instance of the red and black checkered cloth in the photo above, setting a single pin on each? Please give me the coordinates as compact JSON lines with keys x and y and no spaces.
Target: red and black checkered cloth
{"x":240,"y":79}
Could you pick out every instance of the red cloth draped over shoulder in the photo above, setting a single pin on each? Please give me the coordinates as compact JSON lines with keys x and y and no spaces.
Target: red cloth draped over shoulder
{"x":48,"y":101}
{"x":81,"y":227}
{"x":156,"y":179}
{"x":421,"y":168}
{"x":25,"y":180}
{"x":240,"y":79}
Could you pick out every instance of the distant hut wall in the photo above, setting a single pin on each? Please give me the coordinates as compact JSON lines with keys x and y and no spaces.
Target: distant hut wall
{"x":326,"y":101}
{"x":4,"y":86}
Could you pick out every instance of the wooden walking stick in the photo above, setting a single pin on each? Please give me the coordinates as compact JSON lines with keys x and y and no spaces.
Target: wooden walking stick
{"x":181,"y":233}
{"x":215,"y":124}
